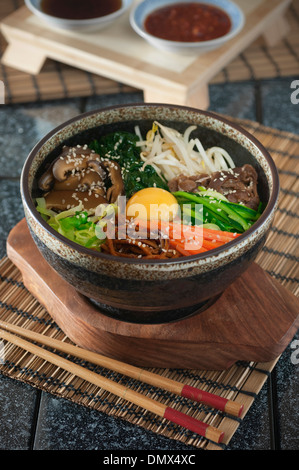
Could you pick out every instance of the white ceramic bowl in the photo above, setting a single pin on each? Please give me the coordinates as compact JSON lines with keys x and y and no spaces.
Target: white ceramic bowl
{"x":91,"y":24}
{"x":143,"y":9}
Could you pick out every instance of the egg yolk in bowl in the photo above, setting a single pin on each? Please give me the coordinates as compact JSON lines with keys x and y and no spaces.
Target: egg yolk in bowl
{"x":152,"y":204}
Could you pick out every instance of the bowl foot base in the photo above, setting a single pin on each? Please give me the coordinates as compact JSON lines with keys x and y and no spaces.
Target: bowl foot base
{"x":152,"y":317}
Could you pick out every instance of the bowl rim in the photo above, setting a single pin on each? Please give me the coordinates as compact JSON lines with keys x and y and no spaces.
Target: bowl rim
{"x":269,"y":209}
{"x":126,"y":4}
{"x":179,"y":44}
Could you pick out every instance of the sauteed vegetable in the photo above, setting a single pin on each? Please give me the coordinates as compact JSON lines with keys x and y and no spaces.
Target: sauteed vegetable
{"x":161,"y":196}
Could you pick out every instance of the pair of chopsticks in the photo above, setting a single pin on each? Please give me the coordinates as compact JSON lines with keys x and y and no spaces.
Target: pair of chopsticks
{"x":173,"y":415}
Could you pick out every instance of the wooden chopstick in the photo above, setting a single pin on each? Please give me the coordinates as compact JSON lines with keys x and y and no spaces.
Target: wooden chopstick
{"x":215,"y":401}
{"x":164,"y":411}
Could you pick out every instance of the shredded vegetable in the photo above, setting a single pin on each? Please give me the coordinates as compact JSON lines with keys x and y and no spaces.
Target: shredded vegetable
{"x":85,"y":228}
{"x":191,"y":240}
{"x":171,"y":153}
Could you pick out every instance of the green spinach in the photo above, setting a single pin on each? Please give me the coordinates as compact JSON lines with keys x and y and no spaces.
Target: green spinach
{"x":121,"y":147}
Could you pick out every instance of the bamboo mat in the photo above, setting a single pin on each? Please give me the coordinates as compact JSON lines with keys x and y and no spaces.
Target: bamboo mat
{"x":58,"y":80}
{"x":242,"y":382}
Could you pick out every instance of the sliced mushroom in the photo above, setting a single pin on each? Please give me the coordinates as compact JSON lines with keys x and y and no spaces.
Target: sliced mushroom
{"x":70,"y":184}
{"x":92,"y":181}
{"x":46,"y":181}
{"x":63,"y":200}
{"x":72,"y":160}
{"x":79,"y":173}
{"x":48,"y":178}
{"x":117,"y":185}
{"x":97,"y":166}
{"x":63,"y":167}
{"x":77,"y":151}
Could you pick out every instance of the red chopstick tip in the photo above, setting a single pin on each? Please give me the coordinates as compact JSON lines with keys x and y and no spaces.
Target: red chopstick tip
{"x":204,"y":397}
{"x":197,"y":426}
{"x":215,"y":401}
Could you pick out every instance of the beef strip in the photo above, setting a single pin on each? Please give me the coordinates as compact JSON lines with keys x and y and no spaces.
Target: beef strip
{"x":237,"y":185}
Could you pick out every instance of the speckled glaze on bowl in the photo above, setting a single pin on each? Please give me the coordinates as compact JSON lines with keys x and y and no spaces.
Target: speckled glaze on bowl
{"x":158,"y":290}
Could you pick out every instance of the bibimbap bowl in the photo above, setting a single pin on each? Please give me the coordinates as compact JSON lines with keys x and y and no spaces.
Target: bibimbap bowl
{"x":139,"y":289}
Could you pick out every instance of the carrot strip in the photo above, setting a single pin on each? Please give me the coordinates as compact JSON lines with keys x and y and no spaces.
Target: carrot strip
{"x":188,"y":229}
{"x":171,"y":228}
{"x":180,"y":245}
{"x":210,"y":245}
{"x":181,"y":250}
{"x":219,"y":234}
{"x":198,"y":239}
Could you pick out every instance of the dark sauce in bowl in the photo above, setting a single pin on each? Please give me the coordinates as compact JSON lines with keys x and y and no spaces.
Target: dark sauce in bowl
{"x":188,"y":22}
{"x":80,"y":9}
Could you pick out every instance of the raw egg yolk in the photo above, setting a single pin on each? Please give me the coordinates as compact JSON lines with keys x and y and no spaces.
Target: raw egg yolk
{"x":152,"y":204}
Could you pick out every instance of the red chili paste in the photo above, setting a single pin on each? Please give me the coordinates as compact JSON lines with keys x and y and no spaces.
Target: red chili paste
{"x":188,"y":22}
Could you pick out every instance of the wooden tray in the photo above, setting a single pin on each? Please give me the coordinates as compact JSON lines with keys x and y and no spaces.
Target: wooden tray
{"x":254,"y":319}
{"x":163,"y":77}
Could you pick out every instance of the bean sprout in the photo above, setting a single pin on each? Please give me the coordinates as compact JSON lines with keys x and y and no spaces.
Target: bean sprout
{"x":172,"y":153}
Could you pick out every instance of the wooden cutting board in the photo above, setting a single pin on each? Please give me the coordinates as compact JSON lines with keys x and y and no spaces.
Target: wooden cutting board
{"x":254,"y":319}
{"x":118,"y":53}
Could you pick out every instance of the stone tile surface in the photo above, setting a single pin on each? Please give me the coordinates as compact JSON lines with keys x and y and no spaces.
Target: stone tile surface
{"x":279,"y":109}
{"x":23,"y":126}
{"x":11,"y":209}
{"x":17,"y":409}
{"x":91,"y":430}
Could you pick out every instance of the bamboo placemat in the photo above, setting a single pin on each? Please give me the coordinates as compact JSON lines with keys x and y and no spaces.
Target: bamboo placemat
{"x":58,"y":80}
{"x":260,"y":61}
{"x":242,"y":382}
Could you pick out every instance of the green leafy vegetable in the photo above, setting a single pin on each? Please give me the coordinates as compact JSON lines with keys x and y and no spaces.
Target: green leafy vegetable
{"x":228,"y":216}
{"x":77,"y":225}
{"x":121,"y":147}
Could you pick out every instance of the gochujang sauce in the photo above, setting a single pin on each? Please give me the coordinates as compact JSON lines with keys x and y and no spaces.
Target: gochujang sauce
{"x":80,"y":9}
{"x":188,"y":22}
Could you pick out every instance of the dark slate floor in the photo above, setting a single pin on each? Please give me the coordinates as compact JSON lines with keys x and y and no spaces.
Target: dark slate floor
{"x":30,"y":419}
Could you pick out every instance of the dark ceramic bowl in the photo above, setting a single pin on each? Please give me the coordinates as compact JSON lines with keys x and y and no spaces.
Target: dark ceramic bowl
{"x":141,"y":290}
